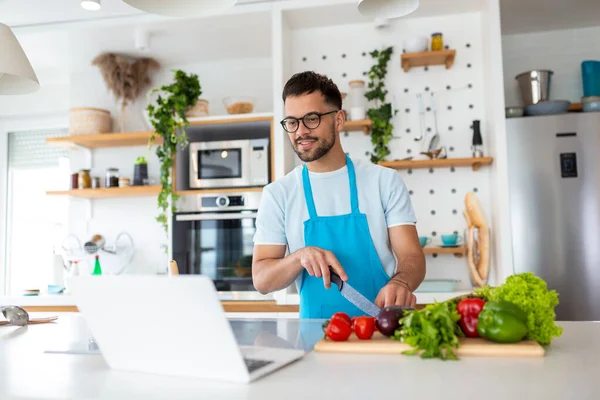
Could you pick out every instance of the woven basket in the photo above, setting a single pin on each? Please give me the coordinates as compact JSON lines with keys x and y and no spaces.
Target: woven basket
{"x":89,"y":121}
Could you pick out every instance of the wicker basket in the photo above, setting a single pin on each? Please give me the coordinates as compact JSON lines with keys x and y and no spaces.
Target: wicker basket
{"x":89,"y":121}
{"x":200,"y":109}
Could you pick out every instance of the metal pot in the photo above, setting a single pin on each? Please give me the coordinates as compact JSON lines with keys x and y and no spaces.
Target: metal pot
{"x":535,"y":85}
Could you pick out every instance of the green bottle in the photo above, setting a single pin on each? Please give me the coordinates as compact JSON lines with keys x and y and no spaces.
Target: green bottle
{"x":97,"y":270}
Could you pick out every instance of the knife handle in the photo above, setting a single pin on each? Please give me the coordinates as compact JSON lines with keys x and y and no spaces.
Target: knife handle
{"x":335,"y":278}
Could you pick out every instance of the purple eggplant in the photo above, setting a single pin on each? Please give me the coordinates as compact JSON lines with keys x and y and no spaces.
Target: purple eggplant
{"x":388,"y":319}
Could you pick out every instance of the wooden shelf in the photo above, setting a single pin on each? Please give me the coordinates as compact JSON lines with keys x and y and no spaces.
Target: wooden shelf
{"x":108,"y":193}
{"x":363,"y":125}
{"x":104,"y":140}
{"x":457,"y":251}
{"x":230,"y":119}
{"x":474,"y":163}
{"x":442,"y":57}
{"x":227,"y":190}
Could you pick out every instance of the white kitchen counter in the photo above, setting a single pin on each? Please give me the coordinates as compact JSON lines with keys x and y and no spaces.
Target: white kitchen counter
{"x":568,"y":371}
{"x":66,"y":300}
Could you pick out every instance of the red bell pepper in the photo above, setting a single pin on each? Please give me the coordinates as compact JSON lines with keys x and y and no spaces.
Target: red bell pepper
{"x":337,"y":329}
{"x":469,"y":310}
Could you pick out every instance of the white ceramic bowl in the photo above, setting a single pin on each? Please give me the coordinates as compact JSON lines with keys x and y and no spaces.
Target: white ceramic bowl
{"x":416,"y":44}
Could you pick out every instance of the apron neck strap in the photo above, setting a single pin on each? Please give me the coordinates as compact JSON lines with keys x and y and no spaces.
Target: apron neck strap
{"x":308,"y":195}
{"x":353,"y":189}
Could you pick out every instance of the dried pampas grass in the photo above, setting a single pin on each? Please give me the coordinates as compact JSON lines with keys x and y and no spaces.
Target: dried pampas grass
{"x":123,"y":78}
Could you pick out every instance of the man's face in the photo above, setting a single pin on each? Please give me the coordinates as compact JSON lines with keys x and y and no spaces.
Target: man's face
{"x":311,"y":144}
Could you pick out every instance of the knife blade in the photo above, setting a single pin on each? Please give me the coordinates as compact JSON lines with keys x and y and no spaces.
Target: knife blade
{"x":354,"y":296}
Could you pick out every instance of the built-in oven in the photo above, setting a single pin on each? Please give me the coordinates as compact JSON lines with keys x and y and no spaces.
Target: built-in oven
{"x":229,"y":164}
{"x":213,"y":236}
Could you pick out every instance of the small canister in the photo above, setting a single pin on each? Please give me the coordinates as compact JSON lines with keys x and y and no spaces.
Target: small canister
{"x":84,"y":181}
{"x":124,"y":182}
{"x":75,"y":180}
{"x":112,"y":178}
{"x":96,"y":182}
{"x":437,"y":42}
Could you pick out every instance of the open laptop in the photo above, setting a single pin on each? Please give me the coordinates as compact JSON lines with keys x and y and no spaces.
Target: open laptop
{"x":171,"y":325}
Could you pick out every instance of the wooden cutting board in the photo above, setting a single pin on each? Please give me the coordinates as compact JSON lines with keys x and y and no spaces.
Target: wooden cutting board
{"x":380,"y":344}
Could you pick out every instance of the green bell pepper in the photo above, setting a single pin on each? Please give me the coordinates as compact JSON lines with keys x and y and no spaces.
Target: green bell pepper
{"x":501,"y":321}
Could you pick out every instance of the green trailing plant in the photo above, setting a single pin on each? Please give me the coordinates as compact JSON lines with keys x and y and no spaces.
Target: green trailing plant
{"x":168,"y":119}
{"x":382,"y":112}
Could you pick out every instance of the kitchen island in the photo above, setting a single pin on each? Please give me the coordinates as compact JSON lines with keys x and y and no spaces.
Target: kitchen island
{"x":31,"y":368}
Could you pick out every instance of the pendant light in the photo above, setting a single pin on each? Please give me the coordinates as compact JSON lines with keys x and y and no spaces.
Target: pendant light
{"x":387,"y":9}
{"x":91,"y":5}
{"x":16,"y":74}
{"x":181,"y":8}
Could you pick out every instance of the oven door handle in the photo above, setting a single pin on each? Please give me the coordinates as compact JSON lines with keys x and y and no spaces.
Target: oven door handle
{"x":214,"y":216}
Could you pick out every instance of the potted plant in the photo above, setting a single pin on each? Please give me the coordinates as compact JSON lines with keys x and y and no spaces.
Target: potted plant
{"x":167,"y":117}
{"x":381,"y":114}
{"x":140,"y":171}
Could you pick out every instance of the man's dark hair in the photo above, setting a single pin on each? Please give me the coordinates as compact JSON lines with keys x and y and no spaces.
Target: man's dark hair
{"x":308,"y":82}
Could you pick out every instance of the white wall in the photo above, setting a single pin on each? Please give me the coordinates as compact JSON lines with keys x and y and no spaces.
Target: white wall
{"x":311,"y":45}
{"x":560,"y":51}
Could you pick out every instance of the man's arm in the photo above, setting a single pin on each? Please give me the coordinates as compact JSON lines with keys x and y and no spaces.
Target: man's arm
{"x":271,"y":271}
{"x":410,"y":268}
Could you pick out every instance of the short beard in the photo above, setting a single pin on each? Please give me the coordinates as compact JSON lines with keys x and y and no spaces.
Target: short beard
{"x":320,"y":151}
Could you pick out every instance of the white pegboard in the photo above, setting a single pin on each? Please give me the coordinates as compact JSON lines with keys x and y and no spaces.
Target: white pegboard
{"x":342,"y":53}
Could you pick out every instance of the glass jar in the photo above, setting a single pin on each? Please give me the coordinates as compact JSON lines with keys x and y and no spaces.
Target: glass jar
{"x":84,"y":179}
{"x":112,"y":178}
{"x":437,"y":42}
{"x":96,"y":182}
{"x":358,"y":101}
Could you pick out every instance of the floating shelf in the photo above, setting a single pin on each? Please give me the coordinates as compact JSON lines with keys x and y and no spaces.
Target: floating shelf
{"x":230,"y":118}
{"x":108,"y":193}
{"x":457,"y":251}
{"x":104,"y":140}
{"x":442,"y":57}
{"x":363,"y":125}
{"x":475,"y":163}
{"x":228,"y":190}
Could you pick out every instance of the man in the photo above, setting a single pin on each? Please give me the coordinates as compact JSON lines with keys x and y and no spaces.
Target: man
{"x":329,"y":213}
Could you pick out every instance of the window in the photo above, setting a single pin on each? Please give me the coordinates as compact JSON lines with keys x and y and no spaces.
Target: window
{"x":36,"y":223}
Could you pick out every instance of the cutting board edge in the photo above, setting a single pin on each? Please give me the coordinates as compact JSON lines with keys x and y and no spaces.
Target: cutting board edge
{"x":475,"y":348}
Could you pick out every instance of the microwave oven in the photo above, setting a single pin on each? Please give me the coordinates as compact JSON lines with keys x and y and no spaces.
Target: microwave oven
{"x":229,"y":164}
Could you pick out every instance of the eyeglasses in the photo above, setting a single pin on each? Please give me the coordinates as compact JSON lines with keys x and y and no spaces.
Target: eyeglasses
{"x":311,"y":121}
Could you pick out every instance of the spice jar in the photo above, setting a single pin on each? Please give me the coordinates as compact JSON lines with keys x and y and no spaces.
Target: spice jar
{"x":437,"y":43}
{"x":124,"y":182}
{"x":96,"y":182}
{"x":84,"y":181}
{"x":75,"y":180}
{"x":112,"y":178}
{"x":358,"y":101}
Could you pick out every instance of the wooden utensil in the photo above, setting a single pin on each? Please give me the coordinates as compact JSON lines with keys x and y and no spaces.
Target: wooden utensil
{"x":380,"y":344}
{"x":34,"y":321}
{"x":173,"y":269}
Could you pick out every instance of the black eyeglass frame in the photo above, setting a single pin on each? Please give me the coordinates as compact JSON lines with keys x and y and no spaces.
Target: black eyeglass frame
{"x":320,"y":115}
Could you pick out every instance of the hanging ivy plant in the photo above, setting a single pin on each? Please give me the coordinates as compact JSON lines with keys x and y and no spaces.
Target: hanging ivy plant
{"x":381,"y":114}
{"x":168,"y":119}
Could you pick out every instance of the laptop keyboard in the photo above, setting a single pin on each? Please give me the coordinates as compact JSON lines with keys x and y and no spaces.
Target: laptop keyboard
{"x":253,"y":365}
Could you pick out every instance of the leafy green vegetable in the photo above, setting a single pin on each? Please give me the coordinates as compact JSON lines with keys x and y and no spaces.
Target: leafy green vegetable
{"x":433,"y":331}
{"x":531,"y":294}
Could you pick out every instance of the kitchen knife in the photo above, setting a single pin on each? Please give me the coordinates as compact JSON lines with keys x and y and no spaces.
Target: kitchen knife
{"x":354,"y":296}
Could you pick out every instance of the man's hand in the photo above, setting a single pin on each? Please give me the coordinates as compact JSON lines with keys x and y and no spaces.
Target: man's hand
{"x":317,"y":261}
{"x":395,"y":294}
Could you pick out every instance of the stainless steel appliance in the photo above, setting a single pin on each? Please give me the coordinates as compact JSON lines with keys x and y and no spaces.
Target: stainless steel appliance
{"x":229,"y":164}
{"x":554,"y":184}
{"x":213,"y":236}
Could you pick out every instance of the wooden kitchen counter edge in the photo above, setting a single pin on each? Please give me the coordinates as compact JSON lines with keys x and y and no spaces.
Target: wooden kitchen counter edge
{"x":229,"y":306}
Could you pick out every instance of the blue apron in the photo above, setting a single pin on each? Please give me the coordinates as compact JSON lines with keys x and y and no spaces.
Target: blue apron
{"x":348,"y":237}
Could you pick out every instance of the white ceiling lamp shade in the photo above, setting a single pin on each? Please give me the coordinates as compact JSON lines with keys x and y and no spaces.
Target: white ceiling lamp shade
{"x":16,"y":73}
{"x":387,"y":9}
{"x":181,"y":8}
{"x":91,"y":5}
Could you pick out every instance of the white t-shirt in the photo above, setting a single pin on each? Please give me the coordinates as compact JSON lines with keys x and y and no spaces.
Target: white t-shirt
{"x":382,"y":196}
